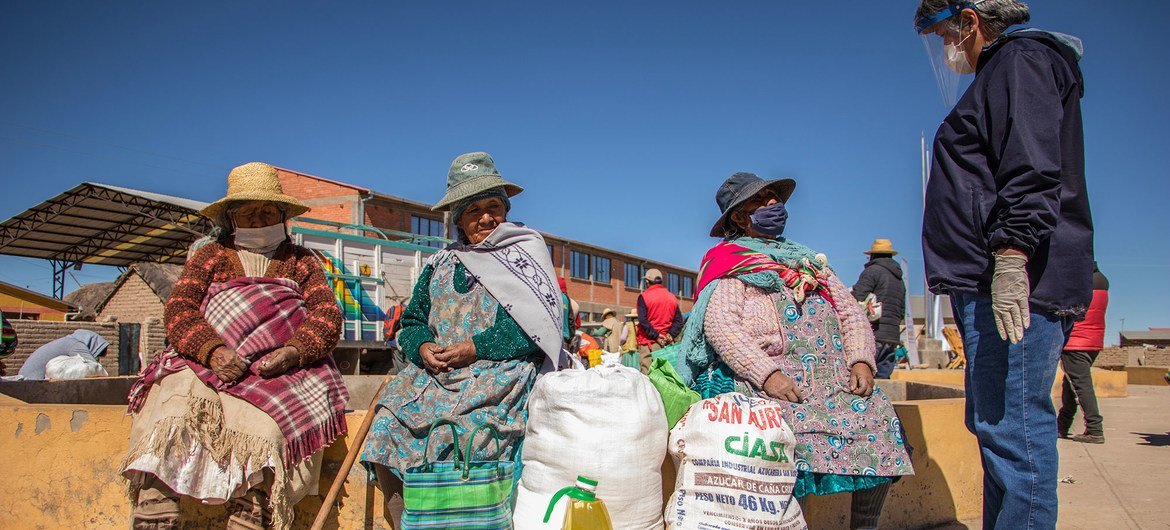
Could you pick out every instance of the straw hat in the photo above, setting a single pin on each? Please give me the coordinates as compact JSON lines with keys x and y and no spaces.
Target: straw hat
{"x":254,"y":181}
{"x":608,"y":311}
{"x":882,"y":246}
{"x":470,"y":175}
{"x":632,"y":314}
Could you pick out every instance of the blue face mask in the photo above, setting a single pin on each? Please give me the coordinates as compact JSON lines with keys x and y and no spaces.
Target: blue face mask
{"x":770,"y":220}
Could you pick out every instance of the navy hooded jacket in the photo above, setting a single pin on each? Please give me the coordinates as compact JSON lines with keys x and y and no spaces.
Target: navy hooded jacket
{"x":1009,"y":171}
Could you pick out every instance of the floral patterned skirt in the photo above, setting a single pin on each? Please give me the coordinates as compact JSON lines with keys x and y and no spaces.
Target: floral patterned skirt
{"x":494,"y":392}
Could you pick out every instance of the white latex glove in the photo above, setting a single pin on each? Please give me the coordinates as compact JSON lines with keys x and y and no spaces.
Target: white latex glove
{"x":1009,"y":295}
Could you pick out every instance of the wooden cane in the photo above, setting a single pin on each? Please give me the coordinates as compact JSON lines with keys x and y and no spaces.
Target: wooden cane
{"x":350,"y":458}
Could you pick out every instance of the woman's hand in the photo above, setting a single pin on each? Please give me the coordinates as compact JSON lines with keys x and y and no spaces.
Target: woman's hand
{"x":226,"y":364}
{"x":428,"y":351}
{"x":279,"y":361}
{"x":780,"y":386}
{"x":861,"y":379}
{"x":457,"y":356}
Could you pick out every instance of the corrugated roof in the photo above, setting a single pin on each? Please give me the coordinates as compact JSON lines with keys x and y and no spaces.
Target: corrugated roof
{"x":106,"y":225}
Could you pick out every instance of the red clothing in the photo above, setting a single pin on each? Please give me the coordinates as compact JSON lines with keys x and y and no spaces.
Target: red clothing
{"x":661,"y":312}
{"x":1089,"y":334}
{"x":194,"y":338}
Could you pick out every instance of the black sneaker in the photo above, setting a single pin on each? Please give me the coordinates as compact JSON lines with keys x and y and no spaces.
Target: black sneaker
{"x":1088,"y":438}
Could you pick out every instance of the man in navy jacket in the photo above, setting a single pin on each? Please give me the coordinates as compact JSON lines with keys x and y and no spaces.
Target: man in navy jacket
{"x":1008,"y":235}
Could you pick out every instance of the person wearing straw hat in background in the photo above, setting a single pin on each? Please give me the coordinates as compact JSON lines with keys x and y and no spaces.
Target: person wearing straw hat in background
{"x":241,"y":405}
{"x":484,"y":316}
{"x":612,"y":336}
{"x":882,"y":279}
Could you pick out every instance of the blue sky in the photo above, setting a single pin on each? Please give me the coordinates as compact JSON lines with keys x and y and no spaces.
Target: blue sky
{"x":620,"y":119}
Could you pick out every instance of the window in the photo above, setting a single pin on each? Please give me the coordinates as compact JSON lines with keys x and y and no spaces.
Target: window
{"x":688,"y":287}
{"x":550,"y":249}
{"x":672,"y":282}
{"x":600,"y":269}
{"x":633,"y":275}
{"x":424,"y":226}
{"x":579,"y":265}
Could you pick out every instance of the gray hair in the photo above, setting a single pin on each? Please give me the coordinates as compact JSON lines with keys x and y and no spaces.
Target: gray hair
{"x":996,"y":15}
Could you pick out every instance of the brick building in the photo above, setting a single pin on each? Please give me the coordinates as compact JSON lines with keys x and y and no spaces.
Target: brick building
{"x":18,"y":303}
{"x":136,"y":303}
{"x":597,"y":277}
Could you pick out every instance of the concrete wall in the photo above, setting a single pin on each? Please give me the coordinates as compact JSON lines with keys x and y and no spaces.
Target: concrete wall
{"x":80,"y":447}
{"x":1147,"y":375}
{"x":36,"y":333}
{"x":1107,"y":383}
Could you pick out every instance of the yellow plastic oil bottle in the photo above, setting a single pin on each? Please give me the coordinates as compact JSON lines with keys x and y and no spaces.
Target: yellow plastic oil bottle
{"x":585,"y":510}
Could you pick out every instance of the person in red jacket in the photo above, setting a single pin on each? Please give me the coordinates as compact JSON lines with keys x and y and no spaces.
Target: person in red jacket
{"x":659,"y":318}
{"x":1084,"y":344}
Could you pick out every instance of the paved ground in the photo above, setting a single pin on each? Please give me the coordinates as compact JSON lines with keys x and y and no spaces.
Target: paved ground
{"x":1123,"y":483}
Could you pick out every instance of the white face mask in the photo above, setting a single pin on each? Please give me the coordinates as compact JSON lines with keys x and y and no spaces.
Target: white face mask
{"x":261,"y":240}
{"x":956,"y":58}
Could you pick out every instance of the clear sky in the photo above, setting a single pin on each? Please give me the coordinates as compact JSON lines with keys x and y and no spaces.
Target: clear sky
{"x":620,"y":119}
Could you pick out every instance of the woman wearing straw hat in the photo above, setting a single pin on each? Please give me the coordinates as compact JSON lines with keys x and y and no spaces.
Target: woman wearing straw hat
{"x":241,"y":405}
{"x":484,"y":316}
{"x":773,"y":320}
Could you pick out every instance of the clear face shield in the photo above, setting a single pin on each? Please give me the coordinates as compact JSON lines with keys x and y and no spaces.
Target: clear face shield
{"x":945,"y":35}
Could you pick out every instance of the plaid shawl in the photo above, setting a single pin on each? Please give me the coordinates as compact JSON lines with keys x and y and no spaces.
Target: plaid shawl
{"x":255,"y":316}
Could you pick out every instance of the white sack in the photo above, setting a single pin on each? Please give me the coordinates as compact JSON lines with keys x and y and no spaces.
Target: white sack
{"x":735,"y":469}
{"x":606,"y":423}
{"x":73,"y":367}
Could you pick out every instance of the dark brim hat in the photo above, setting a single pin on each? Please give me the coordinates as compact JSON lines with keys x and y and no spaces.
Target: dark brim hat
{"x":741,"y":187}
{"x":470,"y":175}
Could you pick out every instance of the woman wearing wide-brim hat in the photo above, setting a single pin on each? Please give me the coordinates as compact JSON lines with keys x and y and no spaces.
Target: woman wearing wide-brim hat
{"x":483,"y":318}
{"x":246,"y":397}
{"x":773,"y":320}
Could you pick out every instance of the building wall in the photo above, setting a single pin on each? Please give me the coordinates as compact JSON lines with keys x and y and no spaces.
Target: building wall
{"x":14,"y":306}
{"x":330,"y":201}
{"x":595,"y":296}
{"x":395,"y":216}
{"x":33,"y":334}
{"x":134,"y":302}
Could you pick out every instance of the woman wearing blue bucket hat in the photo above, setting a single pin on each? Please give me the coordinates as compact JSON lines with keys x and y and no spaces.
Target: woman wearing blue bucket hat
{"x":773,"y":320}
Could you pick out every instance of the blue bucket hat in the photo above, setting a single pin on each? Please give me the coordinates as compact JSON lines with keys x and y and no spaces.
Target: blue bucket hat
{"x":741,"y":187}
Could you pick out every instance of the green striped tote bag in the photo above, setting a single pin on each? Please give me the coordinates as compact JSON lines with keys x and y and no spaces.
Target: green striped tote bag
{"x":463,"y":493}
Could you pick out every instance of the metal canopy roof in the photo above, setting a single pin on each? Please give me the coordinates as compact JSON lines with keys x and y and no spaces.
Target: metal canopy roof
{"x":104,"y":225}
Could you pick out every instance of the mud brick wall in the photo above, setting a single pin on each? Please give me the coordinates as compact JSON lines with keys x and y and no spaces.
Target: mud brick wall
{"x":133,"y":302}
{"x":33,"y":334}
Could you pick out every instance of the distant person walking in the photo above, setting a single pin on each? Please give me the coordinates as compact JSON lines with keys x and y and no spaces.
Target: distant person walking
{"x":1085,"y":343}
{"x":659,"y":318}
{"x":1007,"y":233}
{"x":882,"y":277}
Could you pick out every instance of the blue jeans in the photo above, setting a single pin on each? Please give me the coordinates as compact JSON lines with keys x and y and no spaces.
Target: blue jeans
{"x":1009,"y":409}
{"x":884,"y":359}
